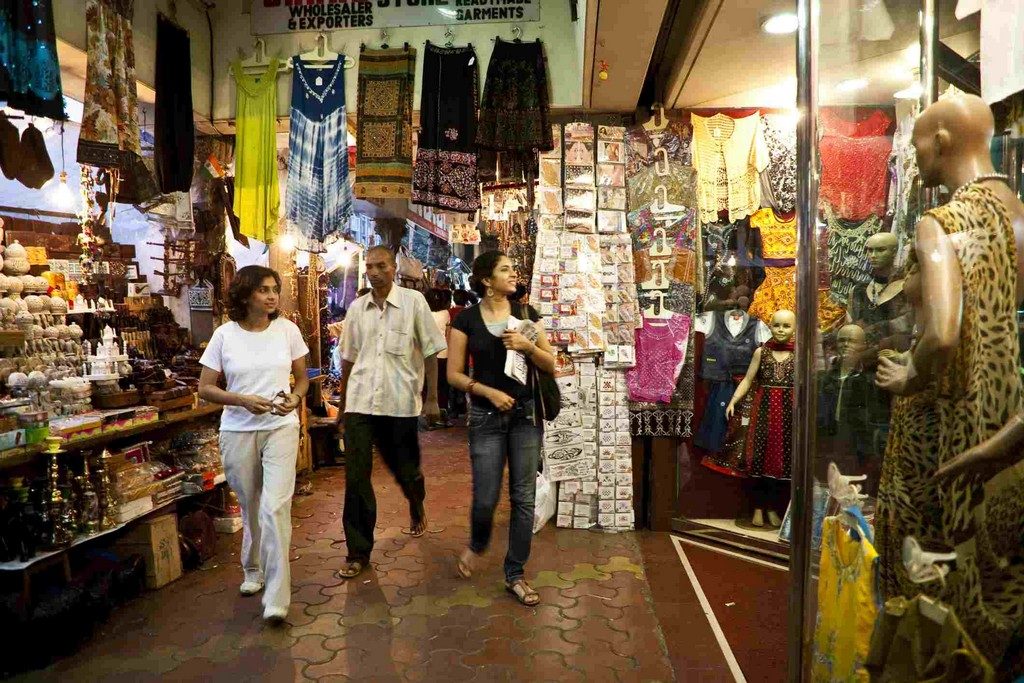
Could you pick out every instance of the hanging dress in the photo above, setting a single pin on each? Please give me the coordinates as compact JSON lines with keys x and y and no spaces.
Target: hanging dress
{"x":29,"y":72}
{"x":257,"y":197}
{"x":770,"y":434}
{"x":445,"y":174}
{"x":318,"y":201}
{"x":847,"y":604}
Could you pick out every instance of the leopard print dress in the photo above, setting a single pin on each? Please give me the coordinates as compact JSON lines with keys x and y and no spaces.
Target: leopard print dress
{"x":972,"y":399}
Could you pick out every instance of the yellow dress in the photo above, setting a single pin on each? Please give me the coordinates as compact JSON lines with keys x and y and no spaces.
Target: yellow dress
{"x":257,"y":197}
{"x":847,"y":605}
{"x":778,"y":235}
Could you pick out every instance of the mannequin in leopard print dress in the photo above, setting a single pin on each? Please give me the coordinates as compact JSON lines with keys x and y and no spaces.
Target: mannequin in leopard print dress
{"x":967,"y":268}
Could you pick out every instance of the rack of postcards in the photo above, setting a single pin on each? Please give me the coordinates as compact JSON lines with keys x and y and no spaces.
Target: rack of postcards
{"x":584,"y":286}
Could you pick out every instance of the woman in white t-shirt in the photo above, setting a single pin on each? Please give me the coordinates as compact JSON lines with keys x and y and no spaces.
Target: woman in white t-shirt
{"x":255,"y":354}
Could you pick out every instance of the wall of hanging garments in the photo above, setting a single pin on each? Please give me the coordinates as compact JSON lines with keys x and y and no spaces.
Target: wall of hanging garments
{"x":562,"y":39}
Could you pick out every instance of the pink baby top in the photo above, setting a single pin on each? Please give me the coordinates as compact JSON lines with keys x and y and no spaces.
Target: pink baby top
{"x":660,"y":353}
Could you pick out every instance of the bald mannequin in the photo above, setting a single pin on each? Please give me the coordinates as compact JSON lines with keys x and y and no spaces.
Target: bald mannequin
{"x":952,"y":139}
{"x":880,"y":306}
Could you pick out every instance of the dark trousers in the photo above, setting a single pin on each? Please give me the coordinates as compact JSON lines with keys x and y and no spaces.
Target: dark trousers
{"x":397,"y":438}
{"x":495,"y":437}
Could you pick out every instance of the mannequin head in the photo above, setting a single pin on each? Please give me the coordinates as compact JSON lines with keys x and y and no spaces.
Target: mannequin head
{"x":880,"y":250}
{"x":952,"y":138}
{"x":783,"y":326}
{"x":851,"y":342}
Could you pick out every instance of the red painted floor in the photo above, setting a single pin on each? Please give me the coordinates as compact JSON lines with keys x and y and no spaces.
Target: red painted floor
{"x":615,"y":607}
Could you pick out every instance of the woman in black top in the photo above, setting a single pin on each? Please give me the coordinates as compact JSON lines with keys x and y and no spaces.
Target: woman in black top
{"x":502,"y":421}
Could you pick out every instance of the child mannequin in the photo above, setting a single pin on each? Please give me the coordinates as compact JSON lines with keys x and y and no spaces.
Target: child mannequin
{"x":769,"y":438}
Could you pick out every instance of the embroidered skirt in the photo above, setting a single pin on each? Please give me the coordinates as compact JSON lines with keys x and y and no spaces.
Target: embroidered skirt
{"x":515,"y":111}
{"x":445,"y":175}
{"x":384,"y":123}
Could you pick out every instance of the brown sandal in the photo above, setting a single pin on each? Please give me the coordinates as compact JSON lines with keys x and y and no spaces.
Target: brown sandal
{"x":351,"y":570}
{"x":523,"y":593}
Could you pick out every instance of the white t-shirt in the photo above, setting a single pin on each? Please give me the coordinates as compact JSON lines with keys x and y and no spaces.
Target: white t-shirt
{"x":257,"y":363}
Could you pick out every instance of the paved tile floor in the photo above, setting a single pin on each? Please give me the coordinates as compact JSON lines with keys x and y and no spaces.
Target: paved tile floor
{"x":410,"y":618}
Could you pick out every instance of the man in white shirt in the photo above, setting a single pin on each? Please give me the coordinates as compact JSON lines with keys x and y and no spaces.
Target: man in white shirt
{"x":390,"y":345}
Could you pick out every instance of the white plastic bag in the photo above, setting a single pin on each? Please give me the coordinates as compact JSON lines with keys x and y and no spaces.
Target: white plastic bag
{"x":545,"y":502}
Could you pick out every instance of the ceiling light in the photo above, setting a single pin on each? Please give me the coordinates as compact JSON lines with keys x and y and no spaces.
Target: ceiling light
{"x":852,"y":84}
{"x":781,"y":23}
{"x":913,"y":92}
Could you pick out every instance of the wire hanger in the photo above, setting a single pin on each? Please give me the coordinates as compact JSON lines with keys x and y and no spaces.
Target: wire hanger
{"x":449,"y":35}
{"x":517,"y":35}
{"x":321,"y":56}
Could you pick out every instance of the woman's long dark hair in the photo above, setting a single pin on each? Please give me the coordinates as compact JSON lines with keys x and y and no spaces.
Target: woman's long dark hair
{"x":246,"y":281}
{"x":483,"y":268}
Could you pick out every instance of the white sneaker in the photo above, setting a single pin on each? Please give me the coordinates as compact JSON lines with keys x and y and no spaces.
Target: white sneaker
{"x":250,"y":587}
{"x":275,"y":615}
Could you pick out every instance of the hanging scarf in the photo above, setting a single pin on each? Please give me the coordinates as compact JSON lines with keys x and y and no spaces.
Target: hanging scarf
{"x":773,"y":345}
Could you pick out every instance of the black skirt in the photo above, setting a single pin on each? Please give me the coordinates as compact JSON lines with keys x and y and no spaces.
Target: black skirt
{"x":515,"y":112}
{"x":445,"y":174}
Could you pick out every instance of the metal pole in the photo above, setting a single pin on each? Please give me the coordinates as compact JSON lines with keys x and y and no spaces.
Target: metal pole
{"x":802,"y":495}
{"x":929,"y":26}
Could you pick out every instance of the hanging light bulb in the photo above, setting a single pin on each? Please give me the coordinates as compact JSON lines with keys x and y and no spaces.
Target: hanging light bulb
{"x":62,"y":195}
{"x":288,"y":242}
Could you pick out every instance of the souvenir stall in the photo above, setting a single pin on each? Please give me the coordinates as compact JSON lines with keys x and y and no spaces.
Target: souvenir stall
{"x":111,"y":278}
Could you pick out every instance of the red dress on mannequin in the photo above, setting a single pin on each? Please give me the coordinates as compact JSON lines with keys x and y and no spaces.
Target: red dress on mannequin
{"x":770,"y":435}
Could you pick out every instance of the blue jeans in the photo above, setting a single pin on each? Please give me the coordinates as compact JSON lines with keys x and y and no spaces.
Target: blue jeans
{"x":494,"y":437}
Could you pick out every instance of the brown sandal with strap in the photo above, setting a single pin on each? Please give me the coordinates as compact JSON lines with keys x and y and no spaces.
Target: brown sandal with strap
{"x":351,"y":570}
{"x":523,"y":593}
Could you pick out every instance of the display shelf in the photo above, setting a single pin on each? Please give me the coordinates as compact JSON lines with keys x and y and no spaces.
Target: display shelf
{"x":15,"y":566}
{"x":24,"y":454}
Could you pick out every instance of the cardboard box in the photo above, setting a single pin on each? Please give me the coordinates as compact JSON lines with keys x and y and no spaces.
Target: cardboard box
{"x":227,"y":525}
{"x":157,"y":541}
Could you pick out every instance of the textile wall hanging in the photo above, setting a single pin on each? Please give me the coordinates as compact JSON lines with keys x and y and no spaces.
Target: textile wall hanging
{"x":110,"y":122}
{"x":384,"y":119}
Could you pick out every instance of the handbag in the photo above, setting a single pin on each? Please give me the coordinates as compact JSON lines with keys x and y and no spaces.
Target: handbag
{"x":546,"y":394}
{"x":409,"y":267}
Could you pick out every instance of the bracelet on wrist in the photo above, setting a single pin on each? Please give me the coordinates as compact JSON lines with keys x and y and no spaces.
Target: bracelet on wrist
{"x":469,"y":387}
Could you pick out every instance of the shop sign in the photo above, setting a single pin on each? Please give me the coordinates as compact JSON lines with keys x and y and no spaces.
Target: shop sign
{"x":291,"y":16}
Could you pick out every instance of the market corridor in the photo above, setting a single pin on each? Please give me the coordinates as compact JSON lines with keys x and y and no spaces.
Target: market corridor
{"x":615,"y":607}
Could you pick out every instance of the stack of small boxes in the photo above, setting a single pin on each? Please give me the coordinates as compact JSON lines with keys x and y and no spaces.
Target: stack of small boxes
{"x":583,"y":284}
{"x":615,"y":452}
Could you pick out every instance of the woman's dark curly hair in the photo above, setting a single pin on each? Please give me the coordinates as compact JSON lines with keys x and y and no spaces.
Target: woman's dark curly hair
{"x":483,"y":268}
{"x":246,"y":281}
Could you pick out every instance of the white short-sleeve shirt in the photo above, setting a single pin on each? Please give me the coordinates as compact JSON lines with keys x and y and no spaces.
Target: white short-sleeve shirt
{"x":258,"y":363}
{"x":387,"y":349}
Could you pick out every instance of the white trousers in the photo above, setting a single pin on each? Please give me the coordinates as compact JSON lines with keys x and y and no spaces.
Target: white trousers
{"x":260,"y":468}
